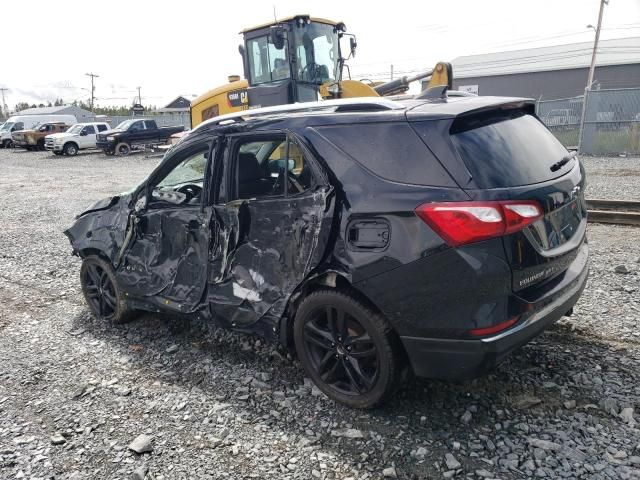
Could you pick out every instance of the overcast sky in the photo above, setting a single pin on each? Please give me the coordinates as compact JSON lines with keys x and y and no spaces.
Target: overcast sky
{"x":188,"y":47}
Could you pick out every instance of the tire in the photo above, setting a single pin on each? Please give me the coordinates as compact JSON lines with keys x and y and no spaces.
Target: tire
{"x":101,"y":291}
{"x":40,"y":145}
{"x":108,"y":153}
{"x":347,"y":349}
{"x":123,"y":149}
{"x":70,"y":149}
{"x":7,"y":143}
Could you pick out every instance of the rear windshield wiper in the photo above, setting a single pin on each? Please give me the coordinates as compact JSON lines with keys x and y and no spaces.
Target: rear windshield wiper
{"x":561,"y":163}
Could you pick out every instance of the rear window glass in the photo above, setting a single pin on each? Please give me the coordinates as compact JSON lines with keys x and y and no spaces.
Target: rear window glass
{"x":507,"y":151}
{"x":392,"y":151}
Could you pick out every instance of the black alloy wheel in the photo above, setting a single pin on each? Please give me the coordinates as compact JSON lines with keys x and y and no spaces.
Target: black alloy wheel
{"x":348,"y":350}
{"x":341,"y":351}
{"x":101,"y":291}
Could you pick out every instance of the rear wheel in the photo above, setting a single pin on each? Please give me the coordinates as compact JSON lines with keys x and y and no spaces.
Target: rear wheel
{"x":123,"y":149}
{"x":101,"y":291}
{"x":40,"y":144}
{"x":348,"y":350}
{"x":70,"y":149}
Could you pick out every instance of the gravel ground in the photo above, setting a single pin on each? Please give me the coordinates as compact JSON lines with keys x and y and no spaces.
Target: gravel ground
{"x":615,"y":178}
{"x":77,"y":397}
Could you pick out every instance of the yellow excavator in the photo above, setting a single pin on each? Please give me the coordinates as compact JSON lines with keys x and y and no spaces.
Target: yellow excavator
{"x":298,"y":59}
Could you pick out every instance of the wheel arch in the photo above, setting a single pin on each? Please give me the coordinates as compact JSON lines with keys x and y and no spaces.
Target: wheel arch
{"x":87,"y":251}
{"x":328,"y":280}
{"x":70,"y":142}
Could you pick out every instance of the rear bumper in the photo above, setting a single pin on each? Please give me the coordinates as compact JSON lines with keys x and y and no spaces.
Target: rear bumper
{"x":465,"y":359}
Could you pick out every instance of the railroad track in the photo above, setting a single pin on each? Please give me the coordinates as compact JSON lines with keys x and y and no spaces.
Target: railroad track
{"x":621,"y":212}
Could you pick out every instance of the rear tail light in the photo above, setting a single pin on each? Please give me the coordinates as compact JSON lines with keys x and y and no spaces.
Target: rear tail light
{"x":481,"y":332}
{"x":459,"y":223}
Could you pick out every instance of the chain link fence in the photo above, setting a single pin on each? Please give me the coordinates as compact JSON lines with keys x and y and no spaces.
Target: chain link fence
{"x":611,"y":122}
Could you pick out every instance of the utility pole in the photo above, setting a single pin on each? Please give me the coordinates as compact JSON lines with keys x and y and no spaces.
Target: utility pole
{"x":595,"y":44}
{"x":392,"y":72}
{"x":592,"y":69}
{"x":139,"y":97}
{"x":92,"y":75}
{"x":3,"y":107}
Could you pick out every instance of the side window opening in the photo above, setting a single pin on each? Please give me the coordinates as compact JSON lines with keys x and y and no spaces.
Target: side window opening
{"x":102,"y":128}
{"x":89,"y":130}
{"x":270,"y":168}
{"x":184,"y":183}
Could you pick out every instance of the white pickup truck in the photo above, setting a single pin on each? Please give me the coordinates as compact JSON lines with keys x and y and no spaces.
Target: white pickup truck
{"x":79,"y":137}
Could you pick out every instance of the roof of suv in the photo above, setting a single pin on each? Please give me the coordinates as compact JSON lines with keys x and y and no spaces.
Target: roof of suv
{"x":409,"y":108}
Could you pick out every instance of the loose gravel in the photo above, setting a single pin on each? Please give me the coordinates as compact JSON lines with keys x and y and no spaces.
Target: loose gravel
{"x":169,"y":398}
{"x":613,"y":178}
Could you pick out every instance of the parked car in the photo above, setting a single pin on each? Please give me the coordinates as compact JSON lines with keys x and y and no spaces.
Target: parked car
{"x":561,"y":117}
{"x":80,"y":136}
{"x":132,"y":134}
{"x":34,"y":139}
{"x":28,"y":122}
{"x":374,"y":237}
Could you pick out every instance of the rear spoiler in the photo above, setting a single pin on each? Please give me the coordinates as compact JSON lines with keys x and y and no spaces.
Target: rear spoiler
{"x":491,"y":114}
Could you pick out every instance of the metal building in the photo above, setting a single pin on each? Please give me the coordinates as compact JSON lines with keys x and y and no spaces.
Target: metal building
{"x":80,"y":113}
{"x":546,"y":73}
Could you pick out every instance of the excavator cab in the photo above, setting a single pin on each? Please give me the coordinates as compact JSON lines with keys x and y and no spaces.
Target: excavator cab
{"x":287,"y":61}
{"x":298,"y":59}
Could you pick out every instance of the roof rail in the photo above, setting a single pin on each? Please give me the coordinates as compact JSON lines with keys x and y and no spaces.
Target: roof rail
{"x":367,"y":104}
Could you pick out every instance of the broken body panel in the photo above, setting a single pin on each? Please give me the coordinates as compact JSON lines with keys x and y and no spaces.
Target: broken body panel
{"x":238,"y":262}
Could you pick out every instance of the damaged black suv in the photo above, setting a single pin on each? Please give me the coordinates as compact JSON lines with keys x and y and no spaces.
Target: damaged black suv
{"x":377,"y":238}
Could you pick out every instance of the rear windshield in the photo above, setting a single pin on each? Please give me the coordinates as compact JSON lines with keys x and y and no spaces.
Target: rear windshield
{"x":508,"y":150}
{"x":392,"y":151}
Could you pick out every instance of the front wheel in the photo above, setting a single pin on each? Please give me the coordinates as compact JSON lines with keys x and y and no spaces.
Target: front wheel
{"x":101,"y":291}
{"x":123,"y":149}
{"x":70,"y":149}
{"x":348,"y":350}
{"x":7,"y":143}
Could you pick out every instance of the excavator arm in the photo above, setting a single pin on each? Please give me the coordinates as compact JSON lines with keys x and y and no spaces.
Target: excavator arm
{"x":440,"y":75}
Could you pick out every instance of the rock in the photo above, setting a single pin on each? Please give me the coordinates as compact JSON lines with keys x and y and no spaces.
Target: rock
{"x":627,"y":416}
{"x":634,"y":460}
{"x":526,"y":401}
{"x":122,"y":391}
{"x":609,"y":405}
{"x":389,"y":472}
{"x":78,"y":392}
{"x":421,"y":452}
{"x":574,"y":455}
{"x":569,"y":404}
{"x":484,"y":473}
{"x":58,"y":439}
{"x":452,"y":463}
{"x":347,"y":433}
{"x":173,"y":349}
{"x":544,"y":444}
{"x":449,"y":474}
{"x":141,"y":444}
{"x":466,"y":417}
{"x":140,"y":472}
{"x":264,"y":377}
{"x":23,"y":440}
{"x":621,"y":269}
